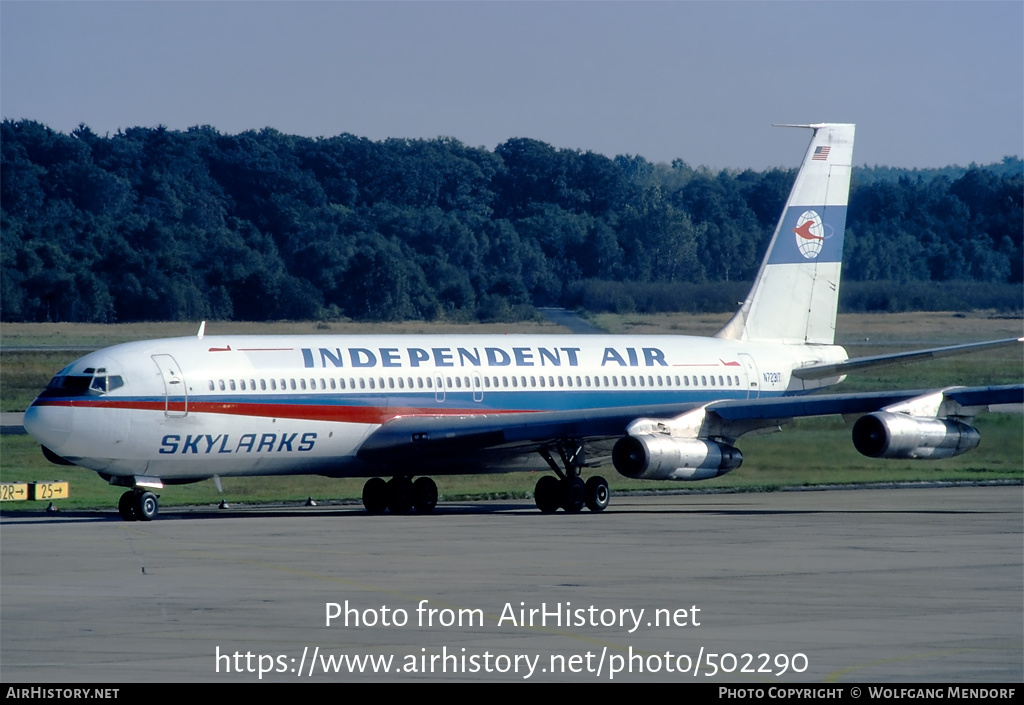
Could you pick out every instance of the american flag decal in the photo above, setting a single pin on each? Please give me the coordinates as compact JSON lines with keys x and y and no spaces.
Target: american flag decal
{"x":820,"y":154}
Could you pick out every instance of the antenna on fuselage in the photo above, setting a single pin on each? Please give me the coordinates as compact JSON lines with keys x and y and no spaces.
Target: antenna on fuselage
{"x":202,"y":330}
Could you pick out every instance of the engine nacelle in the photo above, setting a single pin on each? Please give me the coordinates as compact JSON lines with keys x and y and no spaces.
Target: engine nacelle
{"x":661,"y":457}
{"x":887,"y":435}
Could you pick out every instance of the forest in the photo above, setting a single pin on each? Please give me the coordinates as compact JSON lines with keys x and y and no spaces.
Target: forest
{"x":159,"y":224}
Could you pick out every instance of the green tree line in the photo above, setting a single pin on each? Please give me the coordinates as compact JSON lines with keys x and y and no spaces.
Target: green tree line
{"x":159,"y":224}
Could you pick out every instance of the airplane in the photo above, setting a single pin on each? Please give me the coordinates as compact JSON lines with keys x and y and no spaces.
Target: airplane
{"x":149,"y":413}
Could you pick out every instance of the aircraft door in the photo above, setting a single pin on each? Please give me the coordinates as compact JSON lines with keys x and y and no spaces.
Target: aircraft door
{"x":751,"y":374}
{"x":478,"y":387}
{"x":175,"y":394}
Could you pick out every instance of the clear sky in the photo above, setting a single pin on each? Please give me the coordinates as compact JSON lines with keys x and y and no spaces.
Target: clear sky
{"x":928,"y":83}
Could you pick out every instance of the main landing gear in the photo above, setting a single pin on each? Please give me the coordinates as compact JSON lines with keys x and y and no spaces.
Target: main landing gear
{"x":138,"y":505}
{"x":568,"y":491}
{"x":400,"y":495}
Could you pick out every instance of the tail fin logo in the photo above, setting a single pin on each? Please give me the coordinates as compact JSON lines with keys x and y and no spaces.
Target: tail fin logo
{"x":810,"y":234}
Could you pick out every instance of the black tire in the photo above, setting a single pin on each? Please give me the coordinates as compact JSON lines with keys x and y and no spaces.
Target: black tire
{"x":375,"y":495}
{"x":146,"y":506}
{"x":126,"y":506}
{"x":598,"y":494}
{"x":574,"y":494}
{"x":400,"y":495}
{"x":424,"y":495}
{"x":548,"y":494}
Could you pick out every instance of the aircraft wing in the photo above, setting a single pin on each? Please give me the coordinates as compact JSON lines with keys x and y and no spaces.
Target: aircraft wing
{"x":407,"y":438}
{"x":429,"y":438}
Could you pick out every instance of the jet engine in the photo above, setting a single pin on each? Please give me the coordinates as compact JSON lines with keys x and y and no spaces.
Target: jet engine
{"x":887,"y":435}
{"x":662,"y":457}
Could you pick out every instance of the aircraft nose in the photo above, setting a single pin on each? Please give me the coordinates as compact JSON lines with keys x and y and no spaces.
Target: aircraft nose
{"x":50,"y":425}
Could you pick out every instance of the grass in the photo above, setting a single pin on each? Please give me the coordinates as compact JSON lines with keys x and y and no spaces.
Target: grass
{"x":810,"y":452}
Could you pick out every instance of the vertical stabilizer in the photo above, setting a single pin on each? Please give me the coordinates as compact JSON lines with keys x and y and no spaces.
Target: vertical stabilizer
{"x":796,"y":294}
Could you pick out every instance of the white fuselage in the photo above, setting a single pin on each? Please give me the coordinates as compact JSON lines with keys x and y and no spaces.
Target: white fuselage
{"x":190,"y":408}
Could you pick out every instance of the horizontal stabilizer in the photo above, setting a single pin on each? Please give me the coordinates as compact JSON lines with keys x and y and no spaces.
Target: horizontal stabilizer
{"x":859,"y":364}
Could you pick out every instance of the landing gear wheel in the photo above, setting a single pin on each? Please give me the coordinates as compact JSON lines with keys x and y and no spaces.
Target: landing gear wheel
{"x":126,"y":506}
{"x":375,"y":495}
{"x":146,"y":506}
{"x":400,"y":495}
{"x":548,"y":494}
{"x":598,"y":494}
{"x":424,"y":495}
{"x":573,"y":494}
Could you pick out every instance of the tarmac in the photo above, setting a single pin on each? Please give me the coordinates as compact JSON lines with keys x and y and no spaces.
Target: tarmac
{"x":893,"y":585}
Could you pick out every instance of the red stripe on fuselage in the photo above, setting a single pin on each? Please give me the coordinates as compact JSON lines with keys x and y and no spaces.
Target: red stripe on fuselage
{"x":303,"y":412}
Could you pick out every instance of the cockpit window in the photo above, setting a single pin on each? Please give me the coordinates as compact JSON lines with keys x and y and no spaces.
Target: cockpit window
{"x":94,"y":384}
{"x":105,"y":383}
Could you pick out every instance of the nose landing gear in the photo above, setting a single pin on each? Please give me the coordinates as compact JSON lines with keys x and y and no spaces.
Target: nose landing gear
{"x":138,"y":505}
